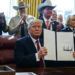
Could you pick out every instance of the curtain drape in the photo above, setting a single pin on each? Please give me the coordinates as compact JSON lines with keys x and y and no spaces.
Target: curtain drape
{"x":32,"y":10}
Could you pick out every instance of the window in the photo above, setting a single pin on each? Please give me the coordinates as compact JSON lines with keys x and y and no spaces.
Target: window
{"x":6,"y":6}
{"x":64,"y":7}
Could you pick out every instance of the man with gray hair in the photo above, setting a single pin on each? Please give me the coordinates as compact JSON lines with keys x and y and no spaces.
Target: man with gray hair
{"x":29,"y":50}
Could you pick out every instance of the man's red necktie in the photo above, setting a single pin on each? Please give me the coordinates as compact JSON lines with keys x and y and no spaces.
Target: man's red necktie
{"x":48,"y":24}
{"x":37,"y":44}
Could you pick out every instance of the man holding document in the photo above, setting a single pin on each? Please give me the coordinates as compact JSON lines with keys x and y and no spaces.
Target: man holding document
{"x":29,"y":51}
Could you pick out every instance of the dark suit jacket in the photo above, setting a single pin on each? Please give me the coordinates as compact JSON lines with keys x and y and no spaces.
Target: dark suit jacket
{"x":66,"y":29}
{"x":25,"y":52}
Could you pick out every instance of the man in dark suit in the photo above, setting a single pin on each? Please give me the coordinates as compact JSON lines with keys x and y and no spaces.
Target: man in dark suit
{"x":27,"y":53}
{"x":45,"y":9}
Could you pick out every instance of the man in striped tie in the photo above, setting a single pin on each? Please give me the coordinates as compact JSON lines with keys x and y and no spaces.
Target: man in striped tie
{"x":29,"y":50}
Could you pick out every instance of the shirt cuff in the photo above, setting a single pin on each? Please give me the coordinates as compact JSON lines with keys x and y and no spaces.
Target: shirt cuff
{"x":37,"y":59}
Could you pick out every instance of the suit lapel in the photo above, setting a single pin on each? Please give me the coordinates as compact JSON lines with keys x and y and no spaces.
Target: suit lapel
{"x":31,"y":45}
{"x":43,"y":26}
{"x":69,"y":29}
{"x":41,"y":42}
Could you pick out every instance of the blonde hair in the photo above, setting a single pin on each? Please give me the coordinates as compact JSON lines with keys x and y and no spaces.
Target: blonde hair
{"x":68,"y":19}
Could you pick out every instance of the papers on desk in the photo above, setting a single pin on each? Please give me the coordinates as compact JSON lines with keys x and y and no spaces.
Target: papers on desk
{"x":25,"y":73}
{"x":60,"y":45}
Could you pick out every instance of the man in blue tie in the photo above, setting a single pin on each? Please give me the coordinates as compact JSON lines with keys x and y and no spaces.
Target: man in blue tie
{"x":29,"y":50}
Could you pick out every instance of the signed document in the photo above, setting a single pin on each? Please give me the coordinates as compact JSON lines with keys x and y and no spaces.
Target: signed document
{"x":65,"y":46}
{"x":49,"y":43}
{"x":60,"y":45}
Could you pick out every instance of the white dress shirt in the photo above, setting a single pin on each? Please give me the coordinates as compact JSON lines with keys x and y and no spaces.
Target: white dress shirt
{"x":49,"y":22}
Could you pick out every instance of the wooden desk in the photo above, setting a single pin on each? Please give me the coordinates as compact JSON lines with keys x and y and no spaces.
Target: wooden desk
{"x":48,"y":71}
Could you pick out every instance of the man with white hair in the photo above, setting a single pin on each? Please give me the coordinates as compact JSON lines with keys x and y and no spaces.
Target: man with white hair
{"x":29,"y":50}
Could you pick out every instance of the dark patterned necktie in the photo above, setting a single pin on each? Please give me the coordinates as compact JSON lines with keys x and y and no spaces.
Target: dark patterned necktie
{"x":40,"y":63}
{"x":37,"y":44}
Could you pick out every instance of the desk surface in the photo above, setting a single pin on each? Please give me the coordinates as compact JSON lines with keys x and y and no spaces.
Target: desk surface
{"x":25,"y":73}
{"x":48,"y":71}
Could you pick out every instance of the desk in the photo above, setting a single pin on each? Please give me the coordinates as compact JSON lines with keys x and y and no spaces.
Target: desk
{"x":48,"y":71}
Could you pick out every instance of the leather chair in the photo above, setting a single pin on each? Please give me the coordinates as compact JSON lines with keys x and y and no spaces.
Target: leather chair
{"x":7,"y":44}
